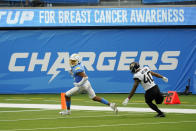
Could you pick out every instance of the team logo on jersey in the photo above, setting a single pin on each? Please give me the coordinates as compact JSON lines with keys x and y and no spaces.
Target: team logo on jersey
{"x":77,"y":68}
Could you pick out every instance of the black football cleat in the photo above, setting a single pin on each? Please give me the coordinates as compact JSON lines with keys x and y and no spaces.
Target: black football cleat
{"x":160,"y":115}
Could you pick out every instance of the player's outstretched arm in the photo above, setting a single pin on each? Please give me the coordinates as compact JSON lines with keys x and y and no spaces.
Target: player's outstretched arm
{"x":156,"y":74}
{"x":135,"y":85}
{"x":165,"y":79}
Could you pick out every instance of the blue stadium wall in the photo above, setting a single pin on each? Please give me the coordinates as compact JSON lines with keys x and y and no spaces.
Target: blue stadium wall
{"x":36,"y":61}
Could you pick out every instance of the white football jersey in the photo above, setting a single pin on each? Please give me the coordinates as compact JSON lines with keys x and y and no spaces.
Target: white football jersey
{"x":145,"y":78}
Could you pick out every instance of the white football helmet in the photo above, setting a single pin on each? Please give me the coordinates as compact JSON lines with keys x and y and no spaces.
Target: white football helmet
{"x":74,"y":59}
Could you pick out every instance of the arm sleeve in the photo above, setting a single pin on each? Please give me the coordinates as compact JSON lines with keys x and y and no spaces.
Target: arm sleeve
{"x":136,"y":77}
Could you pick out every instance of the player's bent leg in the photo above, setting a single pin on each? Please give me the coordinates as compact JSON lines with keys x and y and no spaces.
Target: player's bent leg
{"x":93,"y":96}
{"x":68,"y":102}
{"x":158,"y":96}
{"x":159,"y":99}
{"x":68,"y":95}
{"x":155,"y":108}
{"x":101,"y":100}
{"x":104,"y":101}
{"x":67,"y":111}
{"x":149,"y":97}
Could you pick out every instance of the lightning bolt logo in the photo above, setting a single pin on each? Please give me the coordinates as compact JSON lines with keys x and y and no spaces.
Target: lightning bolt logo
{"x":62,"y":56}
{"x":54,"y":74}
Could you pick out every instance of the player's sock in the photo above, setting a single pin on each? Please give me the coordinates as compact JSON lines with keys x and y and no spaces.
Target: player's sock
{"x":68,"y":103}
{"x":104,"y":101}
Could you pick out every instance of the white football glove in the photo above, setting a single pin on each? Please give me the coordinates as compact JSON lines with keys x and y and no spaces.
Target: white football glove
{"x":125,"y":102}
{"x":165,"y":79}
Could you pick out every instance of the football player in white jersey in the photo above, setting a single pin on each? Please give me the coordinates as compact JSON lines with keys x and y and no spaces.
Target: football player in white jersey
{"x":81,"y":83}
{"x":144,"y":77}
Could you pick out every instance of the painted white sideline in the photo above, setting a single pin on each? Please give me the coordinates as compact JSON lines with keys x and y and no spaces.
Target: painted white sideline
{"x":95,"y":108}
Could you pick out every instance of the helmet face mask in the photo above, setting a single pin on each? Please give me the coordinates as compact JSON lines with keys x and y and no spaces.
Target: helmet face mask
{"x":134,"y":66}
{"x":74,"y":60}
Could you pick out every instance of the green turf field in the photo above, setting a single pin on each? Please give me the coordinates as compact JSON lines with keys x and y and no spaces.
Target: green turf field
{"x":27,"y":119}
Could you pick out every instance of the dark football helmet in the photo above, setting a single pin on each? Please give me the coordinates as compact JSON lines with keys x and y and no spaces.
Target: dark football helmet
{"x":134,"y":66}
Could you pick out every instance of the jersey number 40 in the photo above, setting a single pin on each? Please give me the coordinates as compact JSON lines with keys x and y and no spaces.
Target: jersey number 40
{"x":148,"y":78}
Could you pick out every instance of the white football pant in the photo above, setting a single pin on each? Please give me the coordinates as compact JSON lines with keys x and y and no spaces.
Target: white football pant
{"x":85,"y":87}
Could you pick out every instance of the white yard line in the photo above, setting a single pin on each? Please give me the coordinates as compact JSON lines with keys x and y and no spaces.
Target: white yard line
{"x":95,"y":108}
{"x":66,"y":117}
{"x":21,"y":111}
{"x":18,"y":100}
{"x":99,"y":126}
